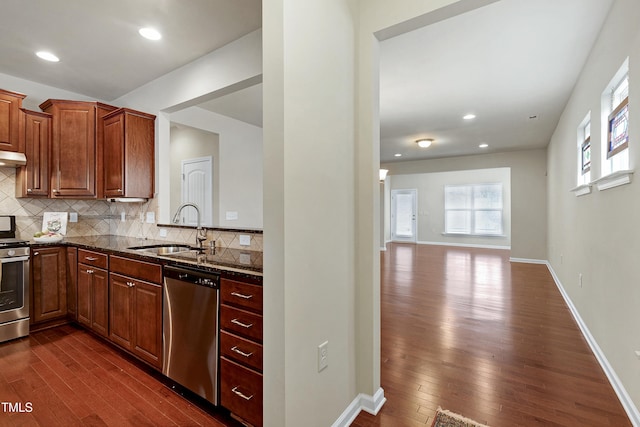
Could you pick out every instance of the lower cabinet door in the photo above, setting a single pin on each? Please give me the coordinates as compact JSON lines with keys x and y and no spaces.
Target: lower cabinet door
{"x":100,"y":301}
{"x":147,"y":322}
{"x":241,"y":391}
{"x":120,"y":310}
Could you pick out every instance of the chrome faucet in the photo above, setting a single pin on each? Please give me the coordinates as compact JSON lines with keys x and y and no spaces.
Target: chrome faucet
{"x":201,"y":234}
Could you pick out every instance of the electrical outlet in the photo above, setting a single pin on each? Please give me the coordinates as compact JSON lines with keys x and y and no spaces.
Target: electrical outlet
{"x":245,"y":240}
{"x":323,"y":355}
{"x":73,"y":216}
{"x":151,"y":217}
{"x":580,"y":279}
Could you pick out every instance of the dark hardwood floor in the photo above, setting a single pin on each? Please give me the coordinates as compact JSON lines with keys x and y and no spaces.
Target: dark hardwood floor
{"x":469,"y":331}
{"x":68,"y":377}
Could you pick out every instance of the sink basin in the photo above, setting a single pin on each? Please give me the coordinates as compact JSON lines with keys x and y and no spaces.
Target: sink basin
{"x":164,"y":249}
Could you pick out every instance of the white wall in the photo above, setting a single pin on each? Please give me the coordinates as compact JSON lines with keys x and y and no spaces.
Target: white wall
{"x":430,"y":209}
{"x":240,"y":169}
{"x":189,"y":143}
{"x":528,"y":192}
{"x":597,"y":235}
{"x":309,"y":217}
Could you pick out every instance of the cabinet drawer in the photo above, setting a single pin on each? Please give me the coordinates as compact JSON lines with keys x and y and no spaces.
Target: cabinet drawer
{"x":241,"y":322}
{"x":94,"y":259}
{"x":241,"y":295}
{"x":241,"y":391}
{"x":241,"y":350}
{"x":133,"y":268}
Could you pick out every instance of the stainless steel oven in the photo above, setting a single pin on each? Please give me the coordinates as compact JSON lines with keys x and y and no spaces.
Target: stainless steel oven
{"x":14,"y":282}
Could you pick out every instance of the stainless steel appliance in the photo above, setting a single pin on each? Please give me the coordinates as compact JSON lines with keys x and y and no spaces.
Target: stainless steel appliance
{"x":190,"y":329}
{"x":14,"y":282}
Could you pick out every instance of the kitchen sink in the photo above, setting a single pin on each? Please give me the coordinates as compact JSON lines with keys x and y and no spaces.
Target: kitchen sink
{"x":164,"y":249}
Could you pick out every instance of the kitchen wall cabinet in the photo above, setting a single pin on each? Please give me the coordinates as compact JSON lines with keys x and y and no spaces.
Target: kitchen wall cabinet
{"x":32,"y":180}
{"x":129,"y":154}
{"x":48,"y":284}
{"x":76,"y":147}
{"x":10,"y":120}
{"x":241,"y":349}
{"x":93,"y":291}
{"x":135,"y":308}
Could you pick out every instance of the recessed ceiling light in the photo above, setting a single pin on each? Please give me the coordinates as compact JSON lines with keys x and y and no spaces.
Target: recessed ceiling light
{"x":483,"y":145}
{"x":424,"y":143}
{"x":469,"y":117}
{"x":150,"y":33}
{"x":397,"y":155}
{"x":47,"y":56}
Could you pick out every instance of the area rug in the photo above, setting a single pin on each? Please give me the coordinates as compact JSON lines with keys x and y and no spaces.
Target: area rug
{"x":446,"y":418}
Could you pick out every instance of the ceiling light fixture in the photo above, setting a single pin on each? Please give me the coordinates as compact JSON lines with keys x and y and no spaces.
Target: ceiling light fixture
{"x":424,"y":143}
{"x":397,"y":155}
{"x":469,"y":117}
{"x":483,"y":145}
{"x":150,"y":33}
{"x":47,"y":56}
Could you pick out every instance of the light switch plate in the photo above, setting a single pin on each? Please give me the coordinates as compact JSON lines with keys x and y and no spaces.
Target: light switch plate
{"x":73,"y":216}
{"x":245,"y":240}
{"x":231,"y":215}
{"x":151,"y":217}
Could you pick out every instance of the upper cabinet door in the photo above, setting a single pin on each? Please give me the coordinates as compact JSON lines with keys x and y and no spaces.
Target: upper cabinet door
{"x":10,"y":121}
{"x":75,"y":145}
{"x":129,"y":154}
{"x":32,"y":180}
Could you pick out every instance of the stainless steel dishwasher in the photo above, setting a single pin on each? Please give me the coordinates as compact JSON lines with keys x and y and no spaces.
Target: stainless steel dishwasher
{"x":190,"y":329}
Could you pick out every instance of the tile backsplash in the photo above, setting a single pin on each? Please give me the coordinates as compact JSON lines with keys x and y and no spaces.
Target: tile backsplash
{"x":99,"y":217}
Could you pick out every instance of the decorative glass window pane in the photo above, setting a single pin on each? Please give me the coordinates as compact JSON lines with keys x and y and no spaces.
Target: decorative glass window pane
{"x":620,"y":92}
{"x":586,"y":156}
{"x":618,"y":129}
{"x":488,"y":222}
{"x":458,"y":222}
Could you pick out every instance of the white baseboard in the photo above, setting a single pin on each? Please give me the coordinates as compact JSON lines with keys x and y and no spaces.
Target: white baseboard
{"x":626,"y":401}
{"x":464,"y":245}
{"x":529,"y":260}
{"x":362,"y":402}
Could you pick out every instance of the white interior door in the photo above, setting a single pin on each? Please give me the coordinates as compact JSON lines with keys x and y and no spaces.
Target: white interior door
{"x":403,"y":215}
{"x":197,"y":187}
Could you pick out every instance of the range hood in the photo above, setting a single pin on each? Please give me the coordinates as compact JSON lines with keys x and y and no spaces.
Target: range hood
{"x":12,"y":159}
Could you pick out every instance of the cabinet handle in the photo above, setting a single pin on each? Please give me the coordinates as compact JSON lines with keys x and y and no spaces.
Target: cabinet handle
{"x":130,"y":284}
{"x":89,"y":271}
{"x":29,"y":190}
{"x":239,"y":323}
{"x":55,"y":191}
{"x":90,"y":258}
{"x":240,"y":352}
{"x":36,"y":253}
{"x":236,"y":294}
{"x":119,"y":190}
{"x":242,"y":395}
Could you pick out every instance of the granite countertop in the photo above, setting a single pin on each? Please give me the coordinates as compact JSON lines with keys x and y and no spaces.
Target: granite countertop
{"x":224,"y":259}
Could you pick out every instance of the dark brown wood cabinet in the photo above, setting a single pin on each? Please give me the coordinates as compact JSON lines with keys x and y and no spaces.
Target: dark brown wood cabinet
{"x":76,"y":147}
{"x":241,"y":349}
{"x":135,"y":308}
{"x":72,"y":282}
{"x":93,"y":291}
{"x":32,"y":180}
{"x":48,"y":284}
{"x":129,"y":154}
{"x":10,"y":120}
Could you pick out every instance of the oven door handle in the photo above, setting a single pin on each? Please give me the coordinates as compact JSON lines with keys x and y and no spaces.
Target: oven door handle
{"x":14,"y":259}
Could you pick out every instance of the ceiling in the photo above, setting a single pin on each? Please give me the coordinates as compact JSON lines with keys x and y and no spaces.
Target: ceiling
{"x":513,"y":63}
{"x":101,"y":54}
